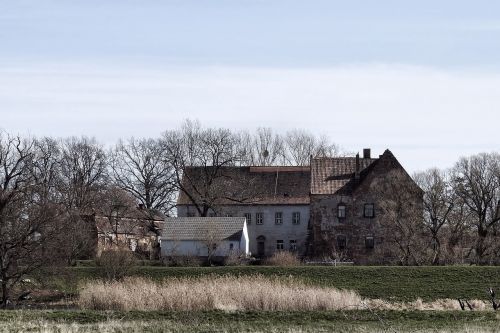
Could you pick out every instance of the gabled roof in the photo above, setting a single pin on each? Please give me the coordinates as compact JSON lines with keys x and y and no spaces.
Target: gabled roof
{"x":277,"y":185}
{"x":200,"y":228}
{"x":331,"y":175}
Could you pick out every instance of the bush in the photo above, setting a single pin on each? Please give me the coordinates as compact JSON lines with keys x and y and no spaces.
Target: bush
{"x":283,"y":258}
{"x":236,"y":258}
{"x":116,"y":264}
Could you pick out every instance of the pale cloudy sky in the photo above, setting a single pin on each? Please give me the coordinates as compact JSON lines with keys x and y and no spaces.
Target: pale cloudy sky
{"x":419,"y":77}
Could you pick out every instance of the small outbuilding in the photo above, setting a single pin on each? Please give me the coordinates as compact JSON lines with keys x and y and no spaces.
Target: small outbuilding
{"x":208,"y":237}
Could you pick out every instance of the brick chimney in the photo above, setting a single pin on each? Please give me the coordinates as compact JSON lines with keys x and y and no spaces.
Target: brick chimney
{"x":367,"y":153}
{"x":356,"y":173}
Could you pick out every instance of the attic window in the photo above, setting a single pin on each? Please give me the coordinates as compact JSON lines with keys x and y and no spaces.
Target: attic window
{"x":341,"y":211}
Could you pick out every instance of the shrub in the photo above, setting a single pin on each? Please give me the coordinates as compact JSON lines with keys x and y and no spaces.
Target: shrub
{"x":283,"y":258}
{"x":116,"y":264}
{"x":235,"y":258}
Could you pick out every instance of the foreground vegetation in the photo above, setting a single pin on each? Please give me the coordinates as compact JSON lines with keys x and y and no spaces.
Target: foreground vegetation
{"x":388,"y":283}
{"x":317,"y":321}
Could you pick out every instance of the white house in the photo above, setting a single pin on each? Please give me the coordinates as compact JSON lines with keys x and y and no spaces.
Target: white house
{"x":204,"y":236}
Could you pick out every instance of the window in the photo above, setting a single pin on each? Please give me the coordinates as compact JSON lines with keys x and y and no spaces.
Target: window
{"x":369,"y":242}
{"x":341,"y":211}
{"x":248,"y":216}
{"x":296,"y":218}
{"x":279,"y":244}
{"x":341,"y":242}
{"x":293,"y":245}
{"x":369,"y":210}
{"x":278,"y":218}
{"x":231,"y":246}
{"x":259,"y":218}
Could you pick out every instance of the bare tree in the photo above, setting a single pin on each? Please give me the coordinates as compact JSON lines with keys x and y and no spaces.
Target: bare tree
{"x":82,"y":176}
{"x":83,"y":172}
{"x":301,"y":145}
{"x":401,"y":218}
{"x":212,"y":239}
{"x":263,"y":148}
{"x":477,"y":183}
{"x":140,"y":168}
{"x":439,"y":203}
{"x":210,"y":151}
{"x":28,"y":211}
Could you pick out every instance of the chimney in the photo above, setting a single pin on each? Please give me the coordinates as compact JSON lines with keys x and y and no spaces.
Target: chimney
{"x":367,"y":153}
{"x":356,"y":173}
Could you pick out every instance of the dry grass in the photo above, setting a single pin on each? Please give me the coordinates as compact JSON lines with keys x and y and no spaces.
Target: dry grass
{"x":283,"y":259}
{"x":214,"y":293}
{"x":438,"y":305}
{"x":229,"y":293}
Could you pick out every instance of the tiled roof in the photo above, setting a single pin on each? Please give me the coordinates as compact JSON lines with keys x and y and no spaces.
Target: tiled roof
{"x":252,"y":186}
{"x":197,"y":228}
{"x":332,"y":175}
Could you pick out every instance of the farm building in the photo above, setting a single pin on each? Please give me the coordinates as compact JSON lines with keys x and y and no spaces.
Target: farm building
{"x":214,"y":237}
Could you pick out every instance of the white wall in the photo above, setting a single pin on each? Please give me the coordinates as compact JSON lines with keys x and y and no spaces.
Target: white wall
{"x":198,"y":248}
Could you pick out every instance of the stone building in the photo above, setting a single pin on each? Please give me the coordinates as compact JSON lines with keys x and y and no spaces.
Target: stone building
{"x":338,"y":207}
{"x":356,"y":202}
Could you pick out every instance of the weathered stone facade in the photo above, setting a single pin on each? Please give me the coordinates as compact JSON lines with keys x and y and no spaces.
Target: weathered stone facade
{"x":349,"y":219}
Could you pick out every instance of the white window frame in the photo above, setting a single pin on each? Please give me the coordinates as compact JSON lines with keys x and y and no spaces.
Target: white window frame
{"x":259,"y":218}
{"x":278,"y":218}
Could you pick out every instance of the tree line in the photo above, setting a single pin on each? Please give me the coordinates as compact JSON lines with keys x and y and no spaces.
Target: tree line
{"x":461,"y":221}
{"x":49,"y":185}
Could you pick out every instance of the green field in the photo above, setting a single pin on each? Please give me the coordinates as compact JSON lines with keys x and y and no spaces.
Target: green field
{"x":217,"y":321}
{"x":390,"y":283}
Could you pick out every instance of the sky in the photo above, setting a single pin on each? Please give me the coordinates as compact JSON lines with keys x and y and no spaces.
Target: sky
{"x":421,"y":78}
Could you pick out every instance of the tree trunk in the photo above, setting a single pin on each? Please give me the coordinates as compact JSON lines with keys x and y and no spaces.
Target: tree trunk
{"x":5,"y":294}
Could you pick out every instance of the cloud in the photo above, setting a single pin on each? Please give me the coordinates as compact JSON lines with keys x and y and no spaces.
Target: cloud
{"x":426,"y":116}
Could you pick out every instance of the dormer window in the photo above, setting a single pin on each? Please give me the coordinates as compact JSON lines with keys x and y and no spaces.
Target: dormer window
{"x":341,"y":211}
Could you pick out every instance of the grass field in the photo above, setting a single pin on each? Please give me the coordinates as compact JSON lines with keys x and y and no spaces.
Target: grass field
{"x":390,"y":283}
{"x":335,"y":321}
{"x":393,"y":284}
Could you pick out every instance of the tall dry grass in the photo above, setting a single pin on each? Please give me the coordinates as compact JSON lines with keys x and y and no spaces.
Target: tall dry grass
{"x":211,"y":293}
